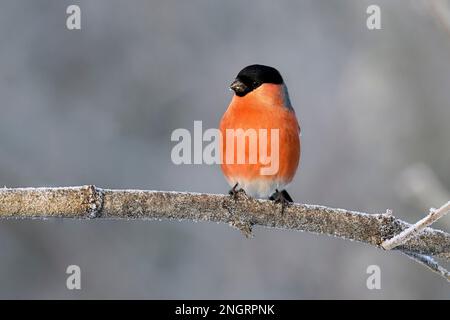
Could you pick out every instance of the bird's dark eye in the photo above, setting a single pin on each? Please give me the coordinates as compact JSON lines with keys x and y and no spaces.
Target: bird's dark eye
{"x":256,"y":84}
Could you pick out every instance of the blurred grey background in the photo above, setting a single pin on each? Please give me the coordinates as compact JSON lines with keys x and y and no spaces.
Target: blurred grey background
{"x":98,"y":106}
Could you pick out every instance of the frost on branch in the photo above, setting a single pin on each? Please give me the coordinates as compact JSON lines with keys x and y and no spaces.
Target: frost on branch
{"x":90,"y":202}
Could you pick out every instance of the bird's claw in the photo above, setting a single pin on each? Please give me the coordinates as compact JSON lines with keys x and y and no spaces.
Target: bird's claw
{"x":281,"y":197}
{"x":234,"y":192}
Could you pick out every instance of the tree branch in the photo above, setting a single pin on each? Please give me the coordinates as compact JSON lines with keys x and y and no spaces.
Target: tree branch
{"x":430,"y":263}
{"x":89,"y":202}
{"x":415,"y":229}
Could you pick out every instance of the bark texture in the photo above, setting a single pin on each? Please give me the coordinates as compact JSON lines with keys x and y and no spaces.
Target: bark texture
{"x":90,"y":202}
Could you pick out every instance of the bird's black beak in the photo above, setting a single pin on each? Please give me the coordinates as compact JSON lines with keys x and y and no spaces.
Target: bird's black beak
{"x":238,"y":87}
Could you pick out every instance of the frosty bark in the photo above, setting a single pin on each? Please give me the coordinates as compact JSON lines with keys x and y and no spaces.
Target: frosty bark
{"x":416,"y":228}
{"x":90,"y":202}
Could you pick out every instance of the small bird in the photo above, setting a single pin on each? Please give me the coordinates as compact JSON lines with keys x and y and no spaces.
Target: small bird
{"x":260,"y":101}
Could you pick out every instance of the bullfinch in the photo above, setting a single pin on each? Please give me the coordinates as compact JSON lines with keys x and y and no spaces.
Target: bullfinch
{"x":260,"y":110}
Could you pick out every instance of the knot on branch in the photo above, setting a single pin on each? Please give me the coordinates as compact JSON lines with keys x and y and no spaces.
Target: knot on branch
{"x":94,"y":201}
{"x":237,"y":213}
{"x":389,"y":226}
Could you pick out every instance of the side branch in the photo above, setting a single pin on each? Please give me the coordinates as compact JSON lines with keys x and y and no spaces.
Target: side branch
{"x":405,"y":235}
{"x":429,"y":263}
{"x":89,"y":202}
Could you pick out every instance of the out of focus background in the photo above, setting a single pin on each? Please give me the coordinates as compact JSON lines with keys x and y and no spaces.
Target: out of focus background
{"x":98,"y":106}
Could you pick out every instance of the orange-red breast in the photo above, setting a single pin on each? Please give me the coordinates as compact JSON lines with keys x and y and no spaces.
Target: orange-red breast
{"x":260,"y":101}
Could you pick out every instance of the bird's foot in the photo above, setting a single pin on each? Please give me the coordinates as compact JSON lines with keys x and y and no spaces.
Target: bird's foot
{"x":282,"y":197}
{"x":234,"y":192}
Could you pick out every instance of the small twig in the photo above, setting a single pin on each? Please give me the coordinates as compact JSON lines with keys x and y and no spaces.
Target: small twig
{"x":416,"y":228}
{"x":429,"y":263}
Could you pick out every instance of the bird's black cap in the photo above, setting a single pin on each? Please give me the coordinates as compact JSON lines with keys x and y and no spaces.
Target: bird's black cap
{"x":251,"y":77}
